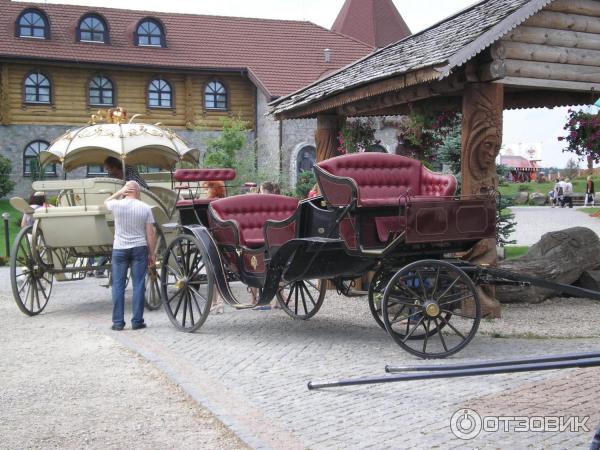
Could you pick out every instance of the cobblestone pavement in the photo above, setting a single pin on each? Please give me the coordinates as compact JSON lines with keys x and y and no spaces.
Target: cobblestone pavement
{"x":250,"y":369}
{"x":534,"y":221}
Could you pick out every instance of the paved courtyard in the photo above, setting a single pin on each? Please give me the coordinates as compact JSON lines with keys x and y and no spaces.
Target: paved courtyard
{"x":250,"y":369}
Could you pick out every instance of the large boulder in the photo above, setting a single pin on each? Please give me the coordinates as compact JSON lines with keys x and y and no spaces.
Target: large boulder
{"x":521,"y":198}
{"x":538,"y":199}
{"x":559,"y":256}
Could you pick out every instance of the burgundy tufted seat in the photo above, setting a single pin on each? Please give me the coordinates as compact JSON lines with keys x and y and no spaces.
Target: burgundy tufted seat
{"x":379,"y":179}
{"x":239,"y":220}
{"x":190,"y":175}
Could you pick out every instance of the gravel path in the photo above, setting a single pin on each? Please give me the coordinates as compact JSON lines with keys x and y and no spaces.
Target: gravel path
{"x":534,"y":221}
{"x":66,"y":383}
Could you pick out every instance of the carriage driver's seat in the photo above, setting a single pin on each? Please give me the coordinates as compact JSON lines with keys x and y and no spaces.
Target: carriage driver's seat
{"x":248,"y":220}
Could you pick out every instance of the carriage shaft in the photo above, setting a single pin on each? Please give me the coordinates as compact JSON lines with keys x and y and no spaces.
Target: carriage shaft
{"x":568,"y":364}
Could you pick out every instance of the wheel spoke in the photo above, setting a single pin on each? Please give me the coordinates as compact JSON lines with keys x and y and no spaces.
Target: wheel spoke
{"x":179,"y":303}
{"x":422,"y":283}
{"x":440,"y":334}
{"x":435,"y":282}
{"x":296,"y":299}
{"x":454,"y":313}
{"x":448,"y":288}
{"x":426,"y":335}
{"x":413,"y":330}
{"x":310,"y":297}
{"x":464,"y":297}
{"x":302,"y":287}
{"x":451,"y":326}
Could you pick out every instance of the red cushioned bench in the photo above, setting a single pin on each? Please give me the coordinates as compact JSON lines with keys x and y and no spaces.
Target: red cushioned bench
{"x":248,"y":223}
{"x":376,"y":182}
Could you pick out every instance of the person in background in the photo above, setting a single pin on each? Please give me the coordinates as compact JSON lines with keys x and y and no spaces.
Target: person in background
{"x":568,"y":191}
{"x":314,"y":192}
{"x":559,"y":193}
{"x":215,"y":189}
{"x":114,"y":168}
{"x":269,"y":187}
{"x":589,"y":192}
{"x":36,"y":200}
{"x":133,"y":248}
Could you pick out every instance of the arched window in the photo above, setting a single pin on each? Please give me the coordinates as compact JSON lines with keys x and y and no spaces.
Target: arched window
{"x":31,"y":159}
{"x":150,"y":32}
{"x":37,"y":88}
{"x":92,"y":28}
{"x":306,"y":158}
{"x":101,"y":91}
{"x":215,"y":96}
{"x":32,"y":23}
{"x":159,"y":94}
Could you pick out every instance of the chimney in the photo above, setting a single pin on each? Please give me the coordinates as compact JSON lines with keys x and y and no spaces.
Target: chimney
{"x":327,"y":52}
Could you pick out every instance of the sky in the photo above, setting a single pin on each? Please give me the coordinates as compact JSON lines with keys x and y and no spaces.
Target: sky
{"x":535,"y":126}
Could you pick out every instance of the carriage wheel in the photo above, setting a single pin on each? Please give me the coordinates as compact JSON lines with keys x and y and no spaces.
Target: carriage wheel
{"x":186,"y":283}
{"x":435,"y":301}
{"x":31,"y":286}
{"x":153,"y":300}
{"x":376,"y":289}
{"x":302,"y":299}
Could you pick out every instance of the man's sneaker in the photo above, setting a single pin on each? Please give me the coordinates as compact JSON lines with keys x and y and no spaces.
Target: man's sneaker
{"x":138,"y":326}
{"x":118,"y":327}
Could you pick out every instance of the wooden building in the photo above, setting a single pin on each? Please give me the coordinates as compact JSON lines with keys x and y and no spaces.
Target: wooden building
{"x":494,"y":55}
{"x":61,"y":63}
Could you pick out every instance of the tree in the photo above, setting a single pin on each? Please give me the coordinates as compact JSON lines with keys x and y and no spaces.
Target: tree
{"x":572,"y":168}
{"x":583,"y":136}
{"x":223,"y":151}
{"x":306,"y":180}
{"x":6,"y":184}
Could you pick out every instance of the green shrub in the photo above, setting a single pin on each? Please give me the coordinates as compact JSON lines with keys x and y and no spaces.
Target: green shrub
{"x":306,"y":180}
{"x":6,"y":184}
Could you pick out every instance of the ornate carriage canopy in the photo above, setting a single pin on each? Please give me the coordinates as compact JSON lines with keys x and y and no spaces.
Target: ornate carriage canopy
{"x":133,"y":143}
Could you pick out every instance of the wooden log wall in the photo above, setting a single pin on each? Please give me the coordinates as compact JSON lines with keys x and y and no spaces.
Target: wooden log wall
{"x":561,"y":43}
{"x":70,"y":97}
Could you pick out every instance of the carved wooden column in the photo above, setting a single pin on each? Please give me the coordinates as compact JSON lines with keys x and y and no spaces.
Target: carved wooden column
{"x":326,"y":135}
{"x":482,"y":108}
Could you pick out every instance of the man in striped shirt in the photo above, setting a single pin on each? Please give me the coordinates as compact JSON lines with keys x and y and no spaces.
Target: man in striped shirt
{"x":133,"y":247}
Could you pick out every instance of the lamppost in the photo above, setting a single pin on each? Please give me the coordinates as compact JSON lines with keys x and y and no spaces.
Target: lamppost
{"x":6,"y":218}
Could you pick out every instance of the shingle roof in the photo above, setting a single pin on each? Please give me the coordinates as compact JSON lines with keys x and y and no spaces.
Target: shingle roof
{"x":516,"y":162}
{"x":447,"y":45}
{"x":281,"y":55}
{"x":376,"y":22}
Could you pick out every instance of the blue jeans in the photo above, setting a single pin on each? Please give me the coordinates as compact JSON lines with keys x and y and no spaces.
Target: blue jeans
{"x":123,"y":259}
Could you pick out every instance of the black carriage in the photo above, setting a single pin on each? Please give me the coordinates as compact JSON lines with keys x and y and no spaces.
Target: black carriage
{"x":377,"y":212}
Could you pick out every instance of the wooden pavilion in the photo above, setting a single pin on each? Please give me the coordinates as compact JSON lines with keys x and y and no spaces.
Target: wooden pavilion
{"x":494,"y":55}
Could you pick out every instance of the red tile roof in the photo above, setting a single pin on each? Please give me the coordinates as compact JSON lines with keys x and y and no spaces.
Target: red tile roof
{"x":516,"y":162}
{"x":376,"y":22}
{"x":280,"y":55}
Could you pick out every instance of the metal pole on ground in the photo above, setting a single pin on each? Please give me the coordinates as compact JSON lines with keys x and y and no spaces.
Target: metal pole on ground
{"x":6,"y":218}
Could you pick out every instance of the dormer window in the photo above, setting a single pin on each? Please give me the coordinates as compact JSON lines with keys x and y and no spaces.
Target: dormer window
{"x":150,"y":33}
{"x":92,"y":28}
{"x":32,"y":23}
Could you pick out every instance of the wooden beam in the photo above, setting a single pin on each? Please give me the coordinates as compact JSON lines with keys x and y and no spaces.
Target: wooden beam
{"x":552,"y":71}
{"x":404,"y":96}
{"x":492,"y":71}
{"x":4,"y":95}
{"x":560,"y":38}
{"x":189,"y":102}
{"x":522,"y":82}
{"x":584,"y":7}
{"x":360,"y":93}
{"x":326,"y":135}
{"x":563,"y":21}
{"x":545,"y":53}
{"x":546,"y":99}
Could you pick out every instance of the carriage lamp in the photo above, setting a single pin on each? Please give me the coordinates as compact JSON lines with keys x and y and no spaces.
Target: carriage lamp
{"x":6,"y":218}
